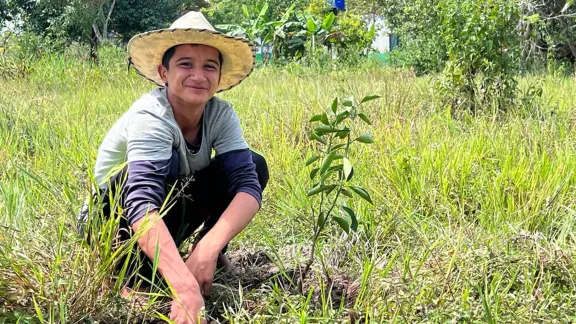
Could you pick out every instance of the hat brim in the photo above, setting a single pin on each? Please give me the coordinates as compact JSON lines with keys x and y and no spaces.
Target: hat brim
{"x":145,"y":53}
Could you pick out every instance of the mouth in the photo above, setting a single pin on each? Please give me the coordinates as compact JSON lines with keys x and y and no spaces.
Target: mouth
{"x":196,"y":87}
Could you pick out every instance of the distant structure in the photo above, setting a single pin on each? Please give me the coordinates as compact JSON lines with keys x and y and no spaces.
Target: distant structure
{"x":384,"y":41}
{"x":337,"y":5}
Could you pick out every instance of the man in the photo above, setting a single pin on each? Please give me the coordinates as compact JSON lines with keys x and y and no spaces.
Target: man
{"x":167,"y":137}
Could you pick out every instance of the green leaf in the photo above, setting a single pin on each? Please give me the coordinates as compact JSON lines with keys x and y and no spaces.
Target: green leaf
{"x":38,"y":310}
{"x":313,"y":173}
{"x":341,"y":116}
{"x":327,"y":161}
{"x":321,"y":219}
{"x":335,"y":105}
{"x":364,"y":118}
{"x":348,"y":102}
{"x":344,"y":224}
{"x":312,"y":160}
{"x":346,"y":193}
{"x":330,"y":189}
{"x":312,"y":28}
{"x":320,"y":118}
{"x":315,"y":118}
{"x":318,"y":138}
{"x":350,"y":213}
{"x":369,"y":98}
{"x":347,"y":169}
{"x":320,"y":188}
{"x":372,"y":31}
{"x":325,"y":129}
{"x":245,"y":11}
{"x":533,"y":18}
{"x":365,"y":138}
{"x":362,"y":193}
{"x":327,"y":174}
{"x":289,"y":12}
{"x":263,"y":10}
{"x":343,"y":133}
{"x":328,"y":21}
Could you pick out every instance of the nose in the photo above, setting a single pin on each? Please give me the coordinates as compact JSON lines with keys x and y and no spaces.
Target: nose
{"x":198,"y":75}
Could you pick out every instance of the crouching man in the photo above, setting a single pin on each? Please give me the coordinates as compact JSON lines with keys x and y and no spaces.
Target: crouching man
{"x":166,"y":137}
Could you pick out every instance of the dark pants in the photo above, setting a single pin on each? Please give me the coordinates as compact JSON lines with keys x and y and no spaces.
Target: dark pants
{"x":199,"y":202}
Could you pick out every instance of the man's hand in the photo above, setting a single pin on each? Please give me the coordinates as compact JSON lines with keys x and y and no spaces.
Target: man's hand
{"x":156,"y":238}
{"x":186,"y":308}
{"x":202,"y":264}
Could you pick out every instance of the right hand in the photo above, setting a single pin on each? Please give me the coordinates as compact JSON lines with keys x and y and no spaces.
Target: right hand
{"x":186,"y":308}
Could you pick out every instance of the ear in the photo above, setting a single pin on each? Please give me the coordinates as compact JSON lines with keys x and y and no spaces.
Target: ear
{"x":162,"y":71}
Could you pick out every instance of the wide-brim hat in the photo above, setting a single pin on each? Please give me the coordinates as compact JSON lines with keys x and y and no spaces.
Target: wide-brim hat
{"x":145,"y":50}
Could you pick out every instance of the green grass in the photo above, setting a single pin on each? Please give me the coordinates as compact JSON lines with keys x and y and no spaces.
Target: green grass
{"x":472,"y":221}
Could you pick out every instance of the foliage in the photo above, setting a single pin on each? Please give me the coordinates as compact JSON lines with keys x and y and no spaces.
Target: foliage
{"x":334,"y":132}
{"x":131,"y":17}
{"x":548,"y":32}
{"x":232,"y":12}
{"x":546,"y":29}
{"x":91,"y":22}
{"x":298,"y":34}
{"x":418,"y":24}
{"x":483,"y":53}
{"x":356,"y":37}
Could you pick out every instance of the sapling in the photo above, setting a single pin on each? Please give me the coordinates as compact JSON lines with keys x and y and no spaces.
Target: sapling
{"x":332,"y":171}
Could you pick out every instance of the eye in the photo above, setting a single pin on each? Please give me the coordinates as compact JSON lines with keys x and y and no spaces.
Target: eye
{"x":210,"y":67}
{"x":185,"y":64}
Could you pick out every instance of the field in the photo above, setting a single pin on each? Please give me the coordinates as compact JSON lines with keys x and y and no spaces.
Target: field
{"x":472,"y":221}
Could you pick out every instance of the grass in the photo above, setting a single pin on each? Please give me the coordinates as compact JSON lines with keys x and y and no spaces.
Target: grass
{"x":472,"y":221}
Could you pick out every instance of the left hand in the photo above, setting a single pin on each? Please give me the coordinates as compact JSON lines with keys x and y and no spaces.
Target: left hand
{"x":202,"y":264}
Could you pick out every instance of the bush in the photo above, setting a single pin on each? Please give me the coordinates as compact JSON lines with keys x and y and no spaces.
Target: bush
{"x":483,"y":53}
{"x":424,"y":55}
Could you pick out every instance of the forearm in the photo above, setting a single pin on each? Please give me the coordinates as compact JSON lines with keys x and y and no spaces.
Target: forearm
{"x":170,"y":264}
{"x":235,"y":218}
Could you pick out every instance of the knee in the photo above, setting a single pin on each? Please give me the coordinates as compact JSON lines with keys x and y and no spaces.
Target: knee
{"x":261,"y":169}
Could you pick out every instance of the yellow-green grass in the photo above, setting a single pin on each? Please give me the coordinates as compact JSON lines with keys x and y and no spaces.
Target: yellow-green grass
{"x":472,"y":220}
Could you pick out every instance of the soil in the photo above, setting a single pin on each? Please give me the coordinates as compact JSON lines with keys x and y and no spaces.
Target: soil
{"x":256,"y":271}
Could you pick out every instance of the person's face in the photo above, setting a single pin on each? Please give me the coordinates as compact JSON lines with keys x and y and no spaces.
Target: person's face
{"x":193,"y":73}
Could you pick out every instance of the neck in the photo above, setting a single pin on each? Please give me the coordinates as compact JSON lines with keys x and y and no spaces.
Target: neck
{"x":187,"y":116}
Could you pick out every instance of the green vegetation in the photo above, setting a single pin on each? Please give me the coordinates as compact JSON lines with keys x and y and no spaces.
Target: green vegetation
{"x":334,"y":137}
{"x":472,"y":219}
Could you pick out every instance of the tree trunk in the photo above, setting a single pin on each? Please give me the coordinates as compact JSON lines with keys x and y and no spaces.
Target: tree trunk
{"x":94,"y":40}
{"x":525,"y":49}
{"x":107,"y":21}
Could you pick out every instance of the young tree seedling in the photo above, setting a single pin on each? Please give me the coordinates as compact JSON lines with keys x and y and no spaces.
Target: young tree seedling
{"x":332,"y":184}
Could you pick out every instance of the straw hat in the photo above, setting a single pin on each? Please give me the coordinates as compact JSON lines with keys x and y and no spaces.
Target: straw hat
{"x":145,"y":50}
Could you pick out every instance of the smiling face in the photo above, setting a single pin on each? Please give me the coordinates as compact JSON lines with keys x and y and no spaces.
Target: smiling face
{"x":193,"y":73}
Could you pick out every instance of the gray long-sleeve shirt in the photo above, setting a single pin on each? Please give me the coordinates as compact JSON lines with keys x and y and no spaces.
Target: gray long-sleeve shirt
{"x":145,"y":136}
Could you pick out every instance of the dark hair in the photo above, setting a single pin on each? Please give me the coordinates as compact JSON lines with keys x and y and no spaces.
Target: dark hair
{"x":172,"y":50}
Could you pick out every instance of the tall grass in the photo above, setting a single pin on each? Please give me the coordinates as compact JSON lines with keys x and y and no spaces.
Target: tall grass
{"x":473,"y":217}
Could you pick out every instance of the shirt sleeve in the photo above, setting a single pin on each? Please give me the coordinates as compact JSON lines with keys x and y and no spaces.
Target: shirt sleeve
{"x":148,"y":153}
{"x":148,"y":138}
{"x":229,"y":133}
{"x":240,"y":171}
{"x":144,"y":190}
